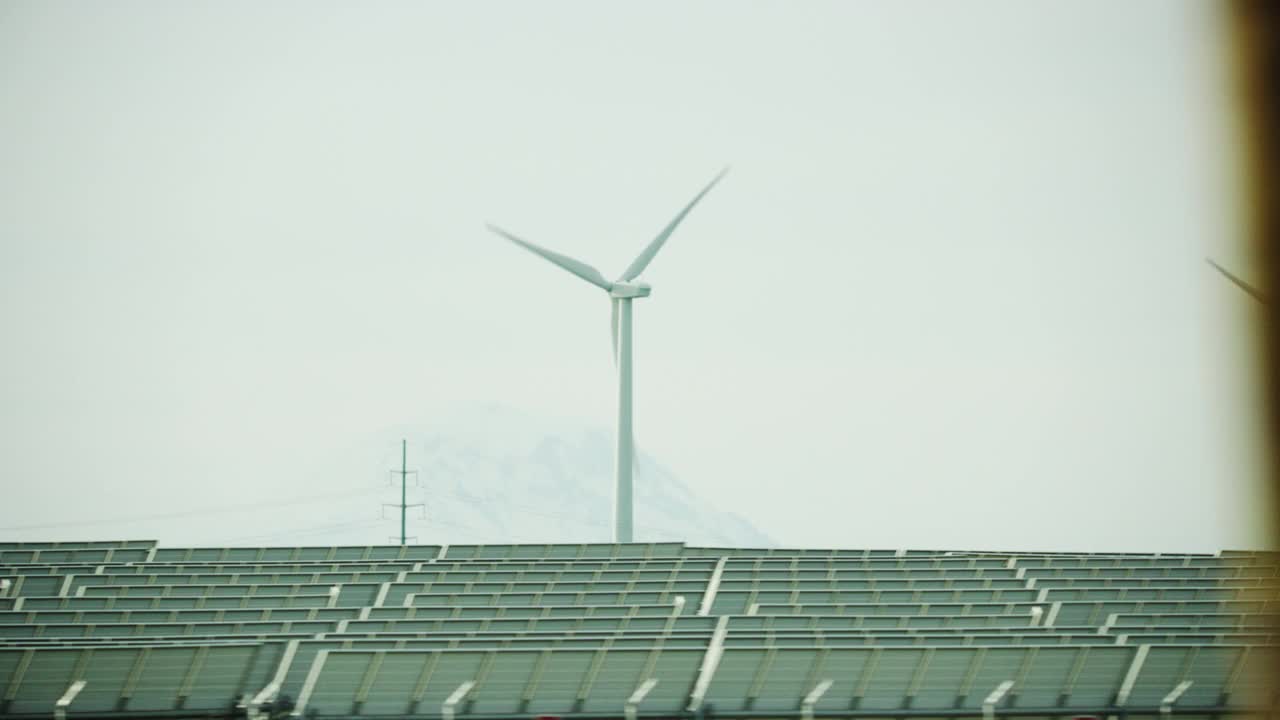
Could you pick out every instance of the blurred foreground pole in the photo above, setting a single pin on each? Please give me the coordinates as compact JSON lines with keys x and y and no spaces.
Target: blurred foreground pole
{"x":1256,"y":60}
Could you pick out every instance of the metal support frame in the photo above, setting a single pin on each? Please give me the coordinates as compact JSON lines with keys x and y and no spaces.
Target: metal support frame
{"x":1131,"y":677}
{"x":994,"y":698}
{"x":1105,"y":627}
{"x":193,"y":672}
{"x":535,"y":677}
{"x":589,"y":680}
{"x":713,"y":585}
{"x":424,"y":678}
{"x":254,"y":709}
{"x":917,"y":676}
{"x":710,"y":661}
{"x":971,"y":673}
{"x":1036,"y":613}
{"x":451,"y":703}
{"x":1073,"y":676}
{"x":677,"y":609}
{"x":60,"y":707}
{"x":268,"y":693}
{"x":761,"y":674}
{"x":864,"y":678}
{"x":135,"y":673}
{"x":1166,"y":705}
{"x":806,"y":707}
{"x":15,"y":679}
{"x":1052,"y":617}
{"x":309,"y":685}
{"x":366,"y":680}
{"x":630,"y":710}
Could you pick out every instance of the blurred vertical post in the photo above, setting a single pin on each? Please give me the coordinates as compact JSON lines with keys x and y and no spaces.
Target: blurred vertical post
{"x":1256,"y":59}
{"x":404,"y":472}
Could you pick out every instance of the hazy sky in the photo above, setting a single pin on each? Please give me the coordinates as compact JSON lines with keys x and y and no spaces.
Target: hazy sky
{"x":951,"y":294}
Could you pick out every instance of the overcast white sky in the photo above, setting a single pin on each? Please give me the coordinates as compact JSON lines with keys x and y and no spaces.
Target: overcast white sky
{"x":951,"y":294}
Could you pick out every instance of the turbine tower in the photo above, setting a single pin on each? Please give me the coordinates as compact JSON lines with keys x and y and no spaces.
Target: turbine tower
{"x":621,"y":292}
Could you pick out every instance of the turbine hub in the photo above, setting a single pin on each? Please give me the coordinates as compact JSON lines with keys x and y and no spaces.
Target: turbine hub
{"x":622,"y":289}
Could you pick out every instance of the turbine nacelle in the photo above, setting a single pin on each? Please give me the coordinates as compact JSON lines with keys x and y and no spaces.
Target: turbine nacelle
{"x":622,"y":289}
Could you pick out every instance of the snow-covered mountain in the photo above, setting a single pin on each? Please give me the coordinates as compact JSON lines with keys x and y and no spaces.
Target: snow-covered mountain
{"x":486,"y":474}
{"x":495,"y":475}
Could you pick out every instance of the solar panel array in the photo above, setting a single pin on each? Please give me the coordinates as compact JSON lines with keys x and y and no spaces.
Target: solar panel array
{"x":654,"y":630}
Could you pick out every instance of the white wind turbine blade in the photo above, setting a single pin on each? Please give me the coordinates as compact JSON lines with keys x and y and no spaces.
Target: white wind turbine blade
{"x":577,"y":267}
{"x":642,"y":260}
{"x":1253,"y":291}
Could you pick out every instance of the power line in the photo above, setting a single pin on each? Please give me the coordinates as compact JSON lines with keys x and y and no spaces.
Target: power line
{"x":310,"y":500}
{"x":311,"y":530}
{"x":194,"y":513}
{"x":516,"y":537}
{"x":557,"y":516}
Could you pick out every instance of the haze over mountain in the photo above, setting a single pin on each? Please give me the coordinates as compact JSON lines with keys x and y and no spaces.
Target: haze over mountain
{"x":494,"y":474}
{"x":485,"y":474}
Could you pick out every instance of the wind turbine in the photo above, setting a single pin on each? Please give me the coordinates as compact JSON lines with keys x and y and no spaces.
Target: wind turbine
{"x":621,"y":292}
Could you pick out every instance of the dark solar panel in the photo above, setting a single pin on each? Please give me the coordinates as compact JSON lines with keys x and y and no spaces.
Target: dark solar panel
{"x":126,"y":628}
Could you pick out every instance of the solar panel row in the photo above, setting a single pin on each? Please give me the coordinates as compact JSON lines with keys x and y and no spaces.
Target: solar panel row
{"x":126,"y":628}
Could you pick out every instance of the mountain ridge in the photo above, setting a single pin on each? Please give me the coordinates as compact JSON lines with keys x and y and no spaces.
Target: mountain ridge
{"x":496,"y":474}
